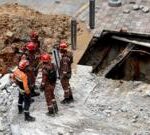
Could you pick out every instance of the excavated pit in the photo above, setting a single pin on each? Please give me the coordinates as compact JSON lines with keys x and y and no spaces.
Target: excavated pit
{"x":119,"y":56}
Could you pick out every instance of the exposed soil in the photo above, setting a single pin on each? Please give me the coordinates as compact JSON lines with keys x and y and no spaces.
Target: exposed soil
{"x":16,"y":22}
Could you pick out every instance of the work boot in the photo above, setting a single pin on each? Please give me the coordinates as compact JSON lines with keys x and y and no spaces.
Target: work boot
{"x":20,"y":109}
{"x":71,"y":98}
{"x":51,"y":112}
{"x":32,"y":100}
{"x":28,"y":117}
{"x":65,"y":101}
{"x":34,"y":94}
{"x":55,"y":107}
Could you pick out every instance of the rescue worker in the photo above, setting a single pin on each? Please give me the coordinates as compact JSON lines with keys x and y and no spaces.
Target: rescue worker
{"x":29,"y":52}
{"x":65,"y":72}
{"x":48,"y":83}
{"x":21,"y":80}
{"x":34,"y":38}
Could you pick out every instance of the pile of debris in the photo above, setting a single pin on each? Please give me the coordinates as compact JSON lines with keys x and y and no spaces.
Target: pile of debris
{"x":16,"y":22}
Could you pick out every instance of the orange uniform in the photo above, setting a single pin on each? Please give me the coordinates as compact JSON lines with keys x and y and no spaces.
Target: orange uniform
{"x":21,"y":80}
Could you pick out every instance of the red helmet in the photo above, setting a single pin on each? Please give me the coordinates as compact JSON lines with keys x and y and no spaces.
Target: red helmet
{"x":23,"y":64}
{"x":45,"y":57}
{"x":63,"y":45}
{"x":33,"y":34}
{"x":31,"y":46}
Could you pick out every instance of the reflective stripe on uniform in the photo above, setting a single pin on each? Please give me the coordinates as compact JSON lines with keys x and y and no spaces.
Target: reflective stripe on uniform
{"x":19,"y":104}
{"x":26,"y":111}
{"x":66,"y":91}
{"x":53,"y":100}
{"x":50,"y":106}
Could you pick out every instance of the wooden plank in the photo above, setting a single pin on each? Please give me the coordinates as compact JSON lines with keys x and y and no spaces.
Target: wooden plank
{"x":104,"y":55}
{"x":131,"y":41}
{"x":121,"y":57}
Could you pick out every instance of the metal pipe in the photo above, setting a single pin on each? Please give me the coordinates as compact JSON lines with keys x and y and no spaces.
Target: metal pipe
{"x":73,"y":33}
{"x":92,"y":14}
{"x":114,"y":3}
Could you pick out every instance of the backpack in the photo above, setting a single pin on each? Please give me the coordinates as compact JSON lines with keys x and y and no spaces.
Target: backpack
{"x":52,"y":76}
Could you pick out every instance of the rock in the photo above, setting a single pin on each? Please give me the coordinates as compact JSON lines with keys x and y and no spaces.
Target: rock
{"x":141,"y":109}
{"x":107,"y":111}
{"x":124,"y":109}
{"x":135,"y":116}
{"x":141,"y":6}
{"x":145,"y":9}
{"x":134,"y":120}
{"x":83,"y":19}
{"x":59,"y":133}
{"x":136,"y":7}
{"x":9,"y":34}
{"x":7,"y":50}
{"x":2,"y":45}
{"x":47,"y":31}
{"x":109,"y":108}
{"x":147,"y":93}
{"x":14,"y":85}
{"x":71,"y":132}
{"x":3,"y":109}
{"x":132,"y":2}
{"x":1,"y":101}
{"x":1,"y":125}
{"x":57,"y":1}
{"x":126,"y":11}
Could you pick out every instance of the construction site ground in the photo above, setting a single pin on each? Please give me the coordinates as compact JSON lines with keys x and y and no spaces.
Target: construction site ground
{"x":102,"y":106}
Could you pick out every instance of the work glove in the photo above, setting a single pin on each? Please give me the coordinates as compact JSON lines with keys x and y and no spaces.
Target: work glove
{"x":27,"y":93}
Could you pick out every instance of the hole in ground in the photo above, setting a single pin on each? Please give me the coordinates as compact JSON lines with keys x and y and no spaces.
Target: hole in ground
{"x":118,"y":55}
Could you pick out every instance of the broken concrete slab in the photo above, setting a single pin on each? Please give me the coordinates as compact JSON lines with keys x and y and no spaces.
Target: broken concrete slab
{"x":136,"y":7}
{"x":145,"y":9}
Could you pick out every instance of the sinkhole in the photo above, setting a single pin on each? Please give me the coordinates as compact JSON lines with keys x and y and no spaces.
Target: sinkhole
{"x":119,"y":55}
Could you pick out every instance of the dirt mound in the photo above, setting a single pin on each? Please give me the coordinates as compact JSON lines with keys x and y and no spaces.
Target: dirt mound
{"x":16,"y":22}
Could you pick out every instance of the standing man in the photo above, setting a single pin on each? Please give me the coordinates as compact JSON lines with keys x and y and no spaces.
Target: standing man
{"x":65,"y":72}
{"x":21,"y":80}
{"x":29,"y":51}
{"x":34,"y":37}
{"x":48,"y":83}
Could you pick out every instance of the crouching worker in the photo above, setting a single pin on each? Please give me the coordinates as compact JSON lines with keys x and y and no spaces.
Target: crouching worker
{"x":21,"y":80}
{"x":48,"y":83}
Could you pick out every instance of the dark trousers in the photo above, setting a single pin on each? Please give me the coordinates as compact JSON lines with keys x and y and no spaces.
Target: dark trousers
{"x":49,"y":94}
{"x":26,"y":99}
{"x":66,"y":87}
